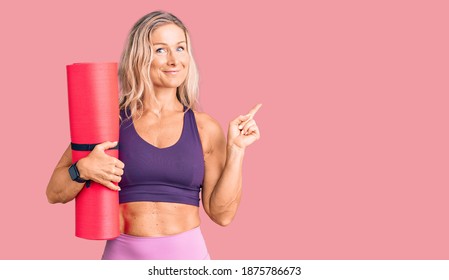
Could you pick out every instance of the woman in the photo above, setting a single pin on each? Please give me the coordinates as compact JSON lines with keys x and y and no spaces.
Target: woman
{"x":169,"y":153}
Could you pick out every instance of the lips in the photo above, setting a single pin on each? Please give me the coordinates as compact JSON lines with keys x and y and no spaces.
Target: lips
{"x":171,"y":72}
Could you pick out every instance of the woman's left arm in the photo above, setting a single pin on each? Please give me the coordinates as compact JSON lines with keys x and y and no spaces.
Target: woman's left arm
{"x":222,"y":186}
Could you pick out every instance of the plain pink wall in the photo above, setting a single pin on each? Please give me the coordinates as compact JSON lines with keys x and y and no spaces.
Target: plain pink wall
{"x":353,"y":160}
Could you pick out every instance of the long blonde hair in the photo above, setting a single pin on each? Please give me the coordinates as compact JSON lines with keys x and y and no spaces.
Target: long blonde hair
{"x":134,"y":67}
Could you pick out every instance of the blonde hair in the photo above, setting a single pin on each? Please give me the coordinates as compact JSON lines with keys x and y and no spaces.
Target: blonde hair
{"x":134,"y":67}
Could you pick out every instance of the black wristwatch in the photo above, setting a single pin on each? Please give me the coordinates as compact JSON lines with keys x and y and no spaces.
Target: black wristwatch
{"x":75,"y":174}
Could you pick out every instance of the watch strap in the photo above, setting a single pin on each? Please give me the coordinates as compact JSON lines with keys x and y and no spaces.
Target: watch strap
{"x":75,"y":174}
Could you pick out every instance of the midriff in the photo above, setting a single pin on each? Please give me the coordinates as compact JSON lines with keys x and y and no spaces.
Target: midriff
{"x":155,"y":219}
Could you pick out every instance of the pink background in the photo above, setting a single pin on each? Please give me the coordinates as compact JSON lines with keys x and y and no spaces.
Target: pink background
{"x":353,"y":160}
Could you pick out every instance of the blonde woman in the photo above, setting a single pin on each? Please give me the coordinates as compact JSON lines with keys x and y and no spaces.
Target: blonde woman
{"x":170,"y":155}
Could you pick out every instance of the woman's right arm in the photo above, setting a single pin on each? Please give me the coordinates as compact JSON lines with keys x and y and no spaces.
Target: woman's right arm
{"x":97,"y":166}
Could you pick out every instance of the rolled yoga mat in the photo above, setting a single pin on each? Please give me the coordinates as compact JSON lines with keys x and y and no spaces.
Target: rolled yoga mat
{"x":94,"y":118}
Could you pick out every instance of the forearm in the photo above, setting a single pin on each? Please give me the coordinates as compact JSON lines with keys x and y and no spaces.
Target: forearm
{"x":61,"y":188}
{"x":225,"y":197}
{"x":97,"y":166}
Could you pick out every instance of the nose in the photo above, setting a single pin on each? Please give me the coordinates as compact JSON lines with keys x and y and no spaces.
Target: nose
{"x":172,"y":58}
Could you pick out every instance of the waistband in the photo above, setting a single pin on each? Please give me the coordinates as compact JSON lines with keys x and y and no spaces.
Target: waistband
{"x":188,"y":245}
{"x":193,"y":231}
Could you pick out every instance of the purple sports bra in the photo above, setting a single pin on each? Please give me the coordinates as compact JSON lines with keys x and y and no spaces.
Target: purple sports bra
{"x":172,"y":174}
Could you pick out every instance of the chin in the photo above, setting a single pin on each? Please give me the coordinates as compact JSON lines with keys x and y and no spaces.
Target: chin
{"x":173,"y":84}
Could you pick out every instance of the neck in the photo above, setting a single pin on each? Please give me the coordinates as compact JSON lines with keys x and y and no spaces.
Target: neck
{"x":164,"y":101}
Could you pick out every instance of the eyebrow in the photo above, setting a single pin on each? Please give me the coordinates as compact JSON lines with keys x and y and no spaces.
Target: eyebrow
{"x":157,"y":43}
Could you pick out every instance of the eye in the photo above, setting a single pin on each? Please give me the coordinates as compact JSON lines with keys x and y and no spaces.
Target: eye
{"x":180,"y":49}
{"x":160,"y":50}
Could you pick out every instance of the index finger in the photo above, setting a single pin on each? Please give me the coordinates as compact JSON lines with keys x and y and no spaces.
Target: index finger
{"x":254,"y":110}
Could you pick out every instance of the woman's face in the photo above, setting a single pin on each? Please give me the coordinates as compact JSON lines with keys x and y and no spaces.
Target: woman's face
{"x":170,"y":57}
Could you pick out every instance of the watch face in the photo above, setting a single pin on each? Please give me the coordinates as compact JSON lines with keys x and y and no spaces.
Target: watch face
{"x":73,"y":173}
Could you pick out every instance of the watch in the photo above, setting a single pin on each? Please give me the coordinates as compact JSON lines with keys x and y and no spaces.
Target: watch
{"x":75,"y":174}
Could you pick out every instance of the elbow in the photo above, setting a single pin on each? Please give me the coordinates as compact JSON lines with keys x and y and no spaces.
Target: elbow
{"x":53,"y":198}
{"x":223,"y":220}
{"x":222,"y":216}
{"x":51,"y":194}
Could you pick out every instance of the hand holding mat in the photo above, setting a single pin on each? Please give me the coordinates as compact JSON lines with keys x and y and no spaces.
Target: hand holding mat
{"x":94,"y":119}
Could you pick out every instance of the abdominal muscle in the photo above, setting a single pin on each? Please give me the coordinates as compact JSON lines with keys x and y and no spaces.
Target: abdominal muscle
{"x":155,"y":219}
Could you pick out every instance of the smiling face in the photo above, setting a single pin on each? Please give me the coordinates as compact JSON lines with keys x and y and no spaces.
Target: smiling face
{"x":171,"y":59}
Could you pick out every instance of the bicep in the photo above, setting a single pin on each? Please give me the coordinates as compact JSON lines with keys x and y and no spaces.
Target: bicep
{"x":214,"y":161}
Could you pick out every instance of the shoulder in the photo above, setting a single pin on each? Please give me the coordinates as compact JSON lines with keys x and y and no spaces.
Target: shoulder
{"x":209,"y":130}
{"x":206,"y":122}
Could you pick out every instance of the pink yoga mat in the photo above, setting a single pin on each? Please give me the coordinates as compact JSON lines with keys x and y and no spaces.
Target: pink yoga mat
{"x":94,"y":118}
